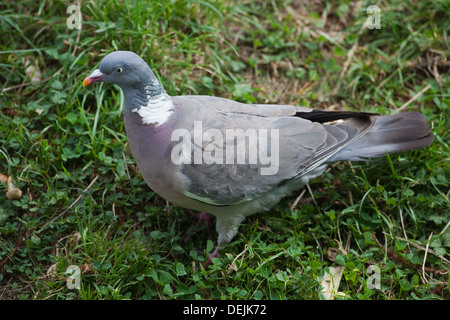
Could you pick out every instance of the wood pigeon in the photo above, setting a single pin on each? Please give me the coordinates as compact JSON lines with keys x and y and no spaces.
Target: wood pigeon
{"x":230,"y":159}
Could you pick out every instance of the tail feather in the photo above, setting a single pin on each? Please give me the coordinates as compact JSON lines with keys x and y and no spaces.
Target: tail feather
{"x":394,"y":133}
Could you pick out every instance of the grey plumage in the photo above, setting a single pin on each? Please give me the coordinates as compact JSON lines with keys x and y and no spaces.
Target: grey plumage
{"x":232,"y":187}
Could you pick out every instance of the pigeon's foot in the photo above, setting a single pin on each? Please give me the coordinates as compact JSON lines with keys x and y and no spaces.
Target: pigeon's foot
{"x":202,"y":216}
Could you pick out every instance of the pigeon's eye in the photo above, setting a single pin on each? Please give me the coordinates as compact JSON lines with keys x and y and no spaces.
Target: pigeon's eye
{"x":119,"y":70}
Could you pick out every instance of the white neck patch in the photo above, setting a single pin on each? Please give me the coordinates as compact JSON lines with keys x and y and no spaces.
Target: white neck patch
{"x":158,"y":109}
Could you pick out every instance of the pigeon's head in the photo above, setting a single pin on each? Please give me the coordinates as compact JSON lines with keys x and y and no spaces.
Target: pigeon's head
{"x":124,"y":68}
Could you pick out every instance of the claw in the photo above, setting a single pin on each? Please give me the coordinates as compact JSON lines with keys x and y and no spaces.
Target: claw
{"x":202,"y":216}
{"x":208,"y":219}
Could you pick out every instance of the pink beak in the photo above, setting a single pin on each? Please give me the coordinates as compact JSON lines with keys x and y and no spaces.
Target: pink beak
{"x":94,"y":77}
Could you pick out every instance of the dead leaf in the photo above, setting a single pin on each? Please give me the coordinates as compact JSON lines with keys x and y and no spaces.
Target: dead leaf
{"x":330,"y":283}
{"x":32,"y":70}
{"x":12,"y":193}
{"x":332,"y":253}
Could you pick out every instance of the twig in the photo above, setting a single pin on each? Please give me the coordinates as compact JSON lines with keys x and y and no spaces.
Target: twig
{"x":294,"y":205}
{"x":416,"y":96}
{"x":312,"y":196}
{"x":126,"y":166}
{"x":32,"y":83}
{"x":403,"y":225}
{"x":345,"y":67}
{"x":26,"y":84}
{"x":424,"y":279}
{"x":232,"y":266}
{"x":407,"y":263}
{"x":69,"y":207}
{"x":420,"y":247}
{"x":347,"y":62}
{"x":13,"y":251}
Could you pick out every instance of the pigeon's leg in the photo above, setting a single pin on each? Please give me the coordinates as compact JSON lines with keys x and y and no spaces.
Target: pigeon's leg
{"x":227,"y":227}
{"x":202,"y":216}
{"x":206,"y":217}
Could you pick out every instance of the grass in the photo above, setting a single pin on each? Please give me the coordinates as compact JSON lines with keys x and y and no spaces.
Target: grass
{"x":85,"y":204}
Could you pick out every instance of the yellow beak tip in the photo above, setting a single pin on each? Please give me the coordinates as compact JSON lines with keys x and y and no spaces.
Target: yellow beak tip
{"x":86,"y":82}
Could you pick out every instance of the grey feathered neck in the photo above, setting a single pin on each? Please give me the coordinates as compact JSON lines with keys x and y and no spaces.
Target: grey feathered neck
{"x":152,"y":103}
{"x":149,"y":91}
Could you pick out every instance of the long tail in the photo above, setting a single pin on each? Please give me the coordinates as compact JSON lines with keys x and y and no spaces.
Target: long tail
{"x":394,"y":133}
